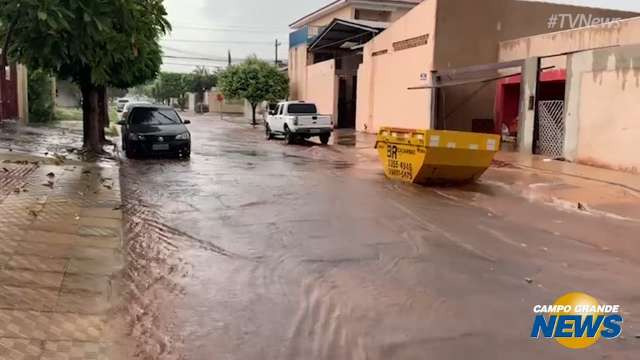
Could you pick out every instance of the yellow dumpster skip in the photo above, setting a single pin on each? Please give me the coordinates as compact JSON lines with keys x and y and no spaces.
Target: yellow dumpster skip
{"x":434,"y":156}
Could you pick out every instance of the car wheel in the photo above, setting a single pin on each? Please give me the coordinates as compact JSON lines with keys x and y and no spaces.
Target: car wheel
{"x":268,"y":132}
{"x":130,"y":153}
{"x":324,"y":139}
{"x":289,"y":137}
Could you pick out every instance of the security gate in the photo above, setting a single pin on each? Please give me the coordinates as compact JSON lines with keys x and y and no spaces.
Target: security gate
{"x":551,"y":128}
{"x":8,"y":92}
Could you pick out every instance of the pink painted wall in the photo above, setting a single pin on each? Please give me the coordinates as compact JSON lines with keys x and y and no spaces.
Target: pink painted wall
{"x":383,"y":81}
{"x":603,"y":104}
{"x":624,"y":33}
{"x":322,"y":86}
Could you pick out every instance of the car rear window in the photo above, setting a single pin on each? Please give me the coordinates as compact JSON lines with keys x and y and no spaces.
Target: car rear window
{"x":153,"y":116}
{"x":302,"y":109}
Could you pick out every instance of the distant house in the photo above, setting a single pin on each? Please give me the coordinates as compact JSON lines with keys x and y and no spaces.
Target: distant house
{"x":368,"y":62}
{"x":326,"y":51}
{"x":14,"y":93}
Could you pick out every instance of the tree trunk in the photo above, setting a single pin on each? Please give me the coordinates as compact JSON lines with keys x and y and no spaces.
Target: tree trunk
{"x":253,"y":108}
{"x":85,"y":90}
{"x":91,"y":119}
{"x":103,"y":112}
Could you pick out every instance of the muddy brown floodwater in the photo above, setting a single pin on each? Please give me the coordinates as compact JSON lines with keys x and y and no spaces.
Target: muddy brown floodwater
{"x":258,"y":250}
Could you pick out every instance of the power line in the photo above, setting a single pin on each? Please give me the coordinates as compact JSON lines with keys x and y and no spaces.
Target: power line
{"x":182,"y":51}
{"x":210,"y":67}
{"x":191,"y":65}
{"x":267,"y":43}
{"x":226,"y":29}
{"x":209,"y":59}
{"x":223,"y":59}
{"x":225,"y":26}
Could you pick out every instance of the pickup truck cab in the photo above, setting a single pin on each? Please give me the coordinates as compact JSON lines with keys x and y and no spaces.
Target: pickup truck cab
{"x":296,"y":120}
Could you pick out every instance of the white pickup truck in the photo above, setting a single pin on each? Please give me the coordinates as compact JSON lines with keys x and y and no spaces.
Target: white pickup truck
{"x":297,"y":119}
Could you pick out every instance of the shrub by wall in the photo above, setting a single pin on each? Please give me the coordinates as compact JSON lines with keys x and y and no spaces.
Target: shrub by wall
{"x":41,"y":101}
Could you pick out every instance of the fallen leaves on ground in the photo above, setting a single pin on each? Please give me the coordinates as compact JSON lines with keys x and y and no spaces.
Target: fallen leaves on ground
{"x":59,"y":159}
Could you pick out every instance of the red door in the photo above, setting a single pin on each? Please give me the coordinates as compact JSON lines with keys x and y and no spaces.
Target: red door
{"x":8,"y":92}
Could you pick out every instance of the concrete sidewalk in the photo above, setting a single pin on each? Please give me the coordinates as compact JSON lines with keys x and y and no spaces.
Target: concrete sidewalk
{"x":576,"y":187}
{"x":570,"y":186}
{"x":60,"y":256}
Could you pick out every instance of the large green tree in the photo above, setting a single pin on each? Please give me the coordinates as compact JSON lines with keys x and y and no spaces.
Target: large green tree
{"x":254,"y":80}
{"x":172,"y":85}
{"x":94,"y":43}
{"x":201,"y":80}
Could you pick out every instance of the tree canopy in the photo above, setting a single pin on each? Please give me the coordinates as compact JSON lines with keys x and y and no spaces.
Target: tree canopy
{"x":94,"y":43}
{"x":254,"y":80}
{"x":200,"y":79}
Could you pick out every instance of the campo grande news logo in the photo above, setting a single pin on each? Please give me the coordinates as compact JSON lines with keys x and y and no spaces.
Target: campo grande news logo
{"x":577,"y":321}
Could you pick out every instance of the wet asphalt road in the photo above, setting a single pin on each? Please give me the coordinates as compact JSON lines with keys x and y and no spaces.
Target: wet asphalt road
{"x":258,"y":250}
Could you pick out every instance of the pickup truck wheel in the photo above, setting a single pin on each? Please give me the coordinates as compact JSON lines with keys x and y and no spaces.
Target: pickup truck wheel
{"x":324,"y":139}
{"x":268,"y":133}
{"x":289,"y":137}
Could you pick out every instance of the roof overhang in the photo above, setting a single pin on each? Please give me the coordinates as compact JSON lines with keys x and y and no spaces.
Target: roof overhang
{"x":339,"y":4}
{"x":342,"y":32}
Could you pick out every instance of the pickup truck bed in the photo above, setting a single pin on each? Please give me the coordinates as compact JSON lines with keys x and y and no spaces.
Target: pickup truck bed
{"x":298,"y":120}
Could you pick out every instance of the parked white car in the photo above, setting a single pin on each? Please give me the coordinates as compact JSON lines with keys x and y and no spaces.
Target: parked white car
{"x":121,"y":103}
{"x":298,"y":120}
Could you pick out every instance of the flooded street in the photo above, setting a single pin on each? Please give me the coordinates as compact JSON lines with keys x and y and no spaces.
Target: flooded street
{"x":258,"y":250}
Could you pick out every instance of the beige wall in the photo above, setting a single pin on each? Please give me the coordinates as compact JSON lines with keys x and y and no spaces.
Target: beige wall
{"x":345,"y":13}
{"x":348,"y":13}
{"x":398,"y":14}
{"x":23,"y":94}
{"x":602,"y":108}
{"x":227,"y":106}
{"x":322,"y":87}
{"x":297,"y":72}
{"x":625,"y":33}
{"x":383,"y":81}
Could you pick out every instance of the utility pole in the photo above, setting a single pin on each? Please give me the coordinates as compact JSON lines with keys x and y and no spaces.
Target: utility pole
{"x":229,"y":55}
{"x":277,"y":45}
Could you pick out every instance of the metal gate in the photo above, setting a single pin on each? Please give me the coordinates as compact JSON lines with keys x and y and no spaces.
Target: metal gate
{"x":8,"y":92}
{"x":551,"y":128}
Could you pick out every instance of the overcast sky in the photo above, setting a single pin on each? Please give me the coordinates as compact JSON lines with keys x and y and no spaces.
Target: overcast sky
{"x":210,"y":28}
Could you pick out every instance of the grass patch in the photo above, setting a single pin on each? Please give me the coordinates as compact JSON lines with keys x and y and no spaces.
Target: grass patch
{"x":68,"y":114}
{"x":75,"y":114}
{"x":112,"y":130}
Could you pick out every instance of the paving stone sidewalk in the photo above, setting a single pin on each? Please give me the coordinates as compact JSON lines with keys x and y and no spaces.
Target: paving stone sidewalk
{"x":60,"y":258}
